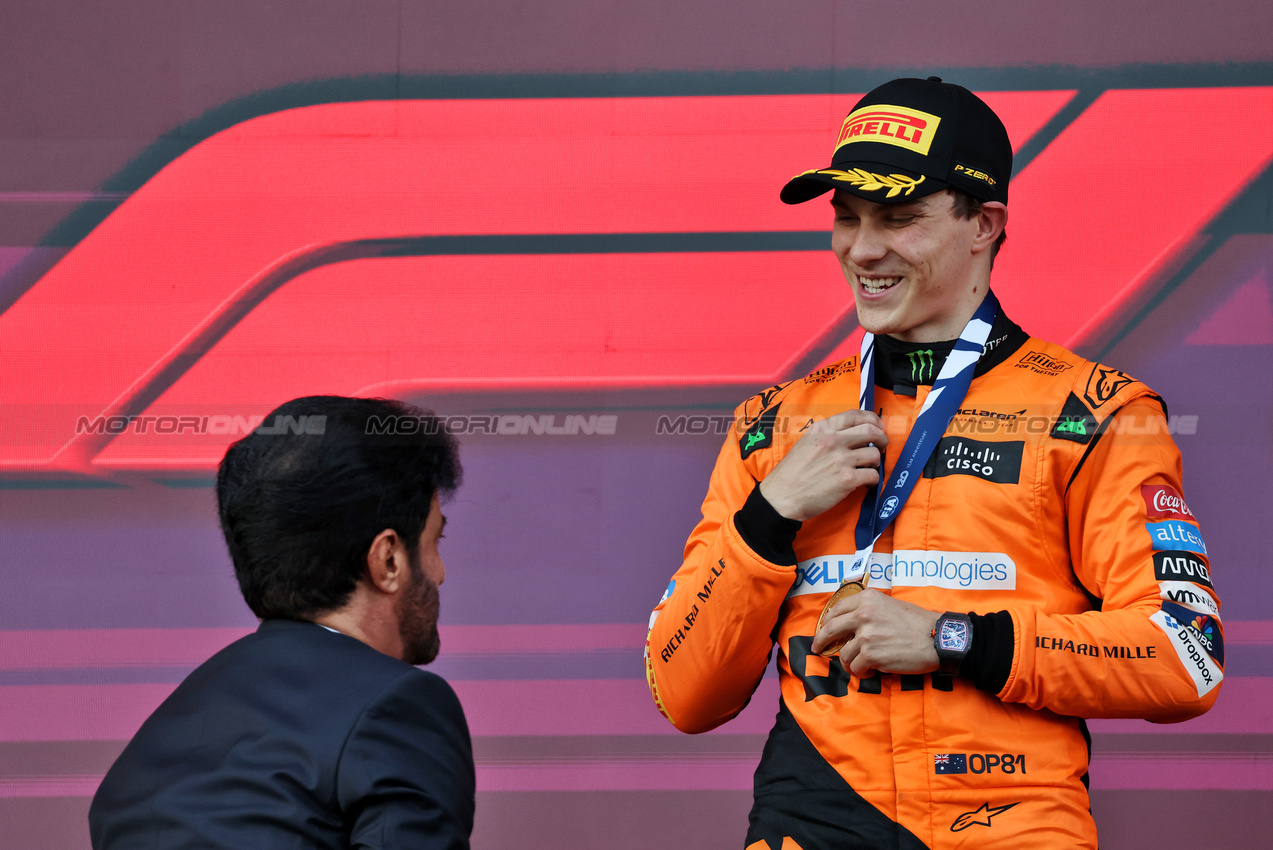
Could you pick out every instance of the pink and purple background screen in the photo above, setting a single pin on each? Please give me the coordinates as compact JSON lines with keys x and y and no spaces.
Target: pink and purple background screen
{"x":570,"y":211}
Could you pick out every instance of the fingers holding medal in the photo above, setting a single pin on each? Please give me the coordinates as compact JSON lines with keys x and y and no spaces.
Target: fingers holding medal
{"x":835,"y":644}
{"x":874,"y":631}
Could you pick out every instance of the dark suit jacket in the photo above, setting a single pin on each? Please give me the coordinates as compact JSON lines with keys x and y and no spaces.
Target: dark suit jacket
{"x":294,"y":737}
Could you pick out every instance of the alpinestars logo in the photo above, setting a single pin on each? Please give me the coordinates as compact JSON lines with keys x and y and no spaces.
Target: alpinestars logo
{"x":759,"y":403}
{"x":981,"y":817}
{"x":1103,"y":384}
{"x":921,"y":365}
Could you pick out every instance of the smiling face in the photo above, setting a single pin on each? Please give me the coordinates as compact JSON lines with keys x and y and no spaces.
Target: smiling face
{"x":918,"y":271}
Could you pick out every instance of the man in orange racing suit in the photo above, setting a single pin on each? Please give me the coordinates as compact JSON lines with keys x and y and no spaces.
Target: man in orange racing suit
{"x":1029,"y":555}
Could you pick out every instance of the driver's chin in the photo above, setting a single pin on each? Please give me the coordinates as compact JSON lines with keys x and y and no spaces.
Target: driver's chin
{"x":878,"y":319}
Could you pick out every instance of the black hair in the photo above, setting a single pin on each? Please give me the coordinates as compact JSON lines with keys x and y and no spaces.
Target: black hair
{"x":966,"y":206}
{"x":302,"y":497}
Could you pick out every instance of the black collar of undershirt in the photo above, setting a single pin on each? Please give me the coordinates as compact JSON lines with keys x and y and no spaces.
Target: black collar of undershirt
{"x":902,"y":366}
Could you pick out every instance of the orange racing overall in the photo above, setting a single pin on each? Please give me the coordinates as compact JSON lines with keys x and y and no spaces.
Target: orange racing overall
{"x":1051,"y":510}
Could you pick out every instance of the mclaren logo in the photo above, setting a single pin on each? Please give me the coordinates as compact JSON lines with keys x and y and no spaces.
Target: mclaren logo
{"x":981,"y":817}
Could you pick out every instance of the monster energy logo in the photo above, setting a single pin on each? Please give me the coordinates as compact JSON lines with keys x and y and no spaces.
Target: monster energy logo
{"x":921,"y":365}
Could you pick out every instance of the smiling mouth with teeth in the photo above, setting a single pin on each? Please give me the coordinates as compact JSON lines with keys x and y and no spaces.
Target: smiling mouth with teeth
{"x":878,"y":285}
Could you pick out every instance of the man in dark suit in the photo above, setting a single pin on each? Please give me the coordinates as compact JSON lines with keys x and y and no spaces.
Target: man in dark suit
{"x":316,"y":731}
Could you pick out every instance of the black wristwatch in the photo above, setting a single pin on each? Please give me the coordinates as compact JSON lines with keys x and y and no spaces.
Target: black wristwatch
{"x":952,"y":638}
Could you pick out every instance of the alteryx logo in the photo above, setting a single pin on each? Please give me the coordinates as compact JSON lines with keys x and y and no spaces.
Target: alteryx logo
{"x":1174,"y":534}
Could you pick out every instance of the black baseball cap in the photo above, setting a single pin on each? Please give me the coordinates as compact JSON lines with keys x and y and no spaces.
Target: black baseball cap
{"x":910,"y":138}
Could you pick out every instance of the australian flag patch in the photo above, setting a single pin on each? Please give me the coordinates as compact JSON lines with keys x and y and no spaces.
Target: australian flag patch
{"x":950,"y":763}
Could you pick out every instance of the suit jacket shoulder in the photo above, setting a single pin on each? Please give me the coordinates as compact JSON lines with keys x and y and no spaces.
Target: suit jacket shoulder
{"x":406,"y":772}
{"x":248,"y":750}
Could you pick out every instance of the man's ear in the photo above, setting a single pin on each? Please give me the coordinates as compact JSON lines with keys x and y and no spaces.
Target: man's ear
{"x":990,"y":223}
{"x":388,"y":564}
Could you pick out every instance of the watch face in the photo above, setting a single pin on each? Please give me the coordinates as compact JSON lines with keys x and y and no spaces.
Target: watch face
{"x":953,"y":635}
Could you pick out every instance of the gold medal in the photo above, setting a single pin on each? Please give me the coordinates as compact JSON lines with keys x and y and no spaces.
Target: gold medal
{"x":845,"y":590}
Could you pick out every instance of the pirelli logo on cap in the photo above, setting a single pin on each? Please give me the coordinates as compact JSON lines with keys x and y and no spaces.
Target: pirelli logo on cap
{"x":890,"y":125}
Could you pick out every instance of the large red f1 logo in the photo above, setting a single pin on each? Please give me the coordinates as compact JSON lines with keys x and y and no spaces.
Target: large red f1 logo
{"x":407,"y":247}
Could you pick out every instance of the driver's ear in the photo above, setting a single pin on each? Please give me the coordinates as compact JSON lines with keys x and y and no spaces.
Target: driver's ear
{"x":388,"y":564}
{"x":991,"y":221}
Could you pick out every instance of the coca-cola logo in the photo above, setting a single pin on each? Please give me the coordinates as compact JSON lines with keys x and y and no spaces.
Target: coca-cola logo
{"x":1163,"y":501}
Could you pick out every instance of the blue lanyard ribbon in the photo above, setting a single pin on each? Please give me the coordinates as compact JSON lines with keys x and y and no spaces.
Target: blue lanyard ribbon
{"x":881,"y":506}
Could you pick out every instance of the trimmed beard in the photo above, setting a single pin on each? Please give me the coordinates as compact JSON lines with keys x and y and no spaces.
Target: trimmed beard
{"x":418,"y":616}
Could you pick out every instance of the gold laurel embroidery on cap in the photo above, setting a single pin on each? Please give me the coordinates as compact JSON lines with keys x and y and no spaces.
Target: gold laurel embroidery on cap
{"x":869,"y":181}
